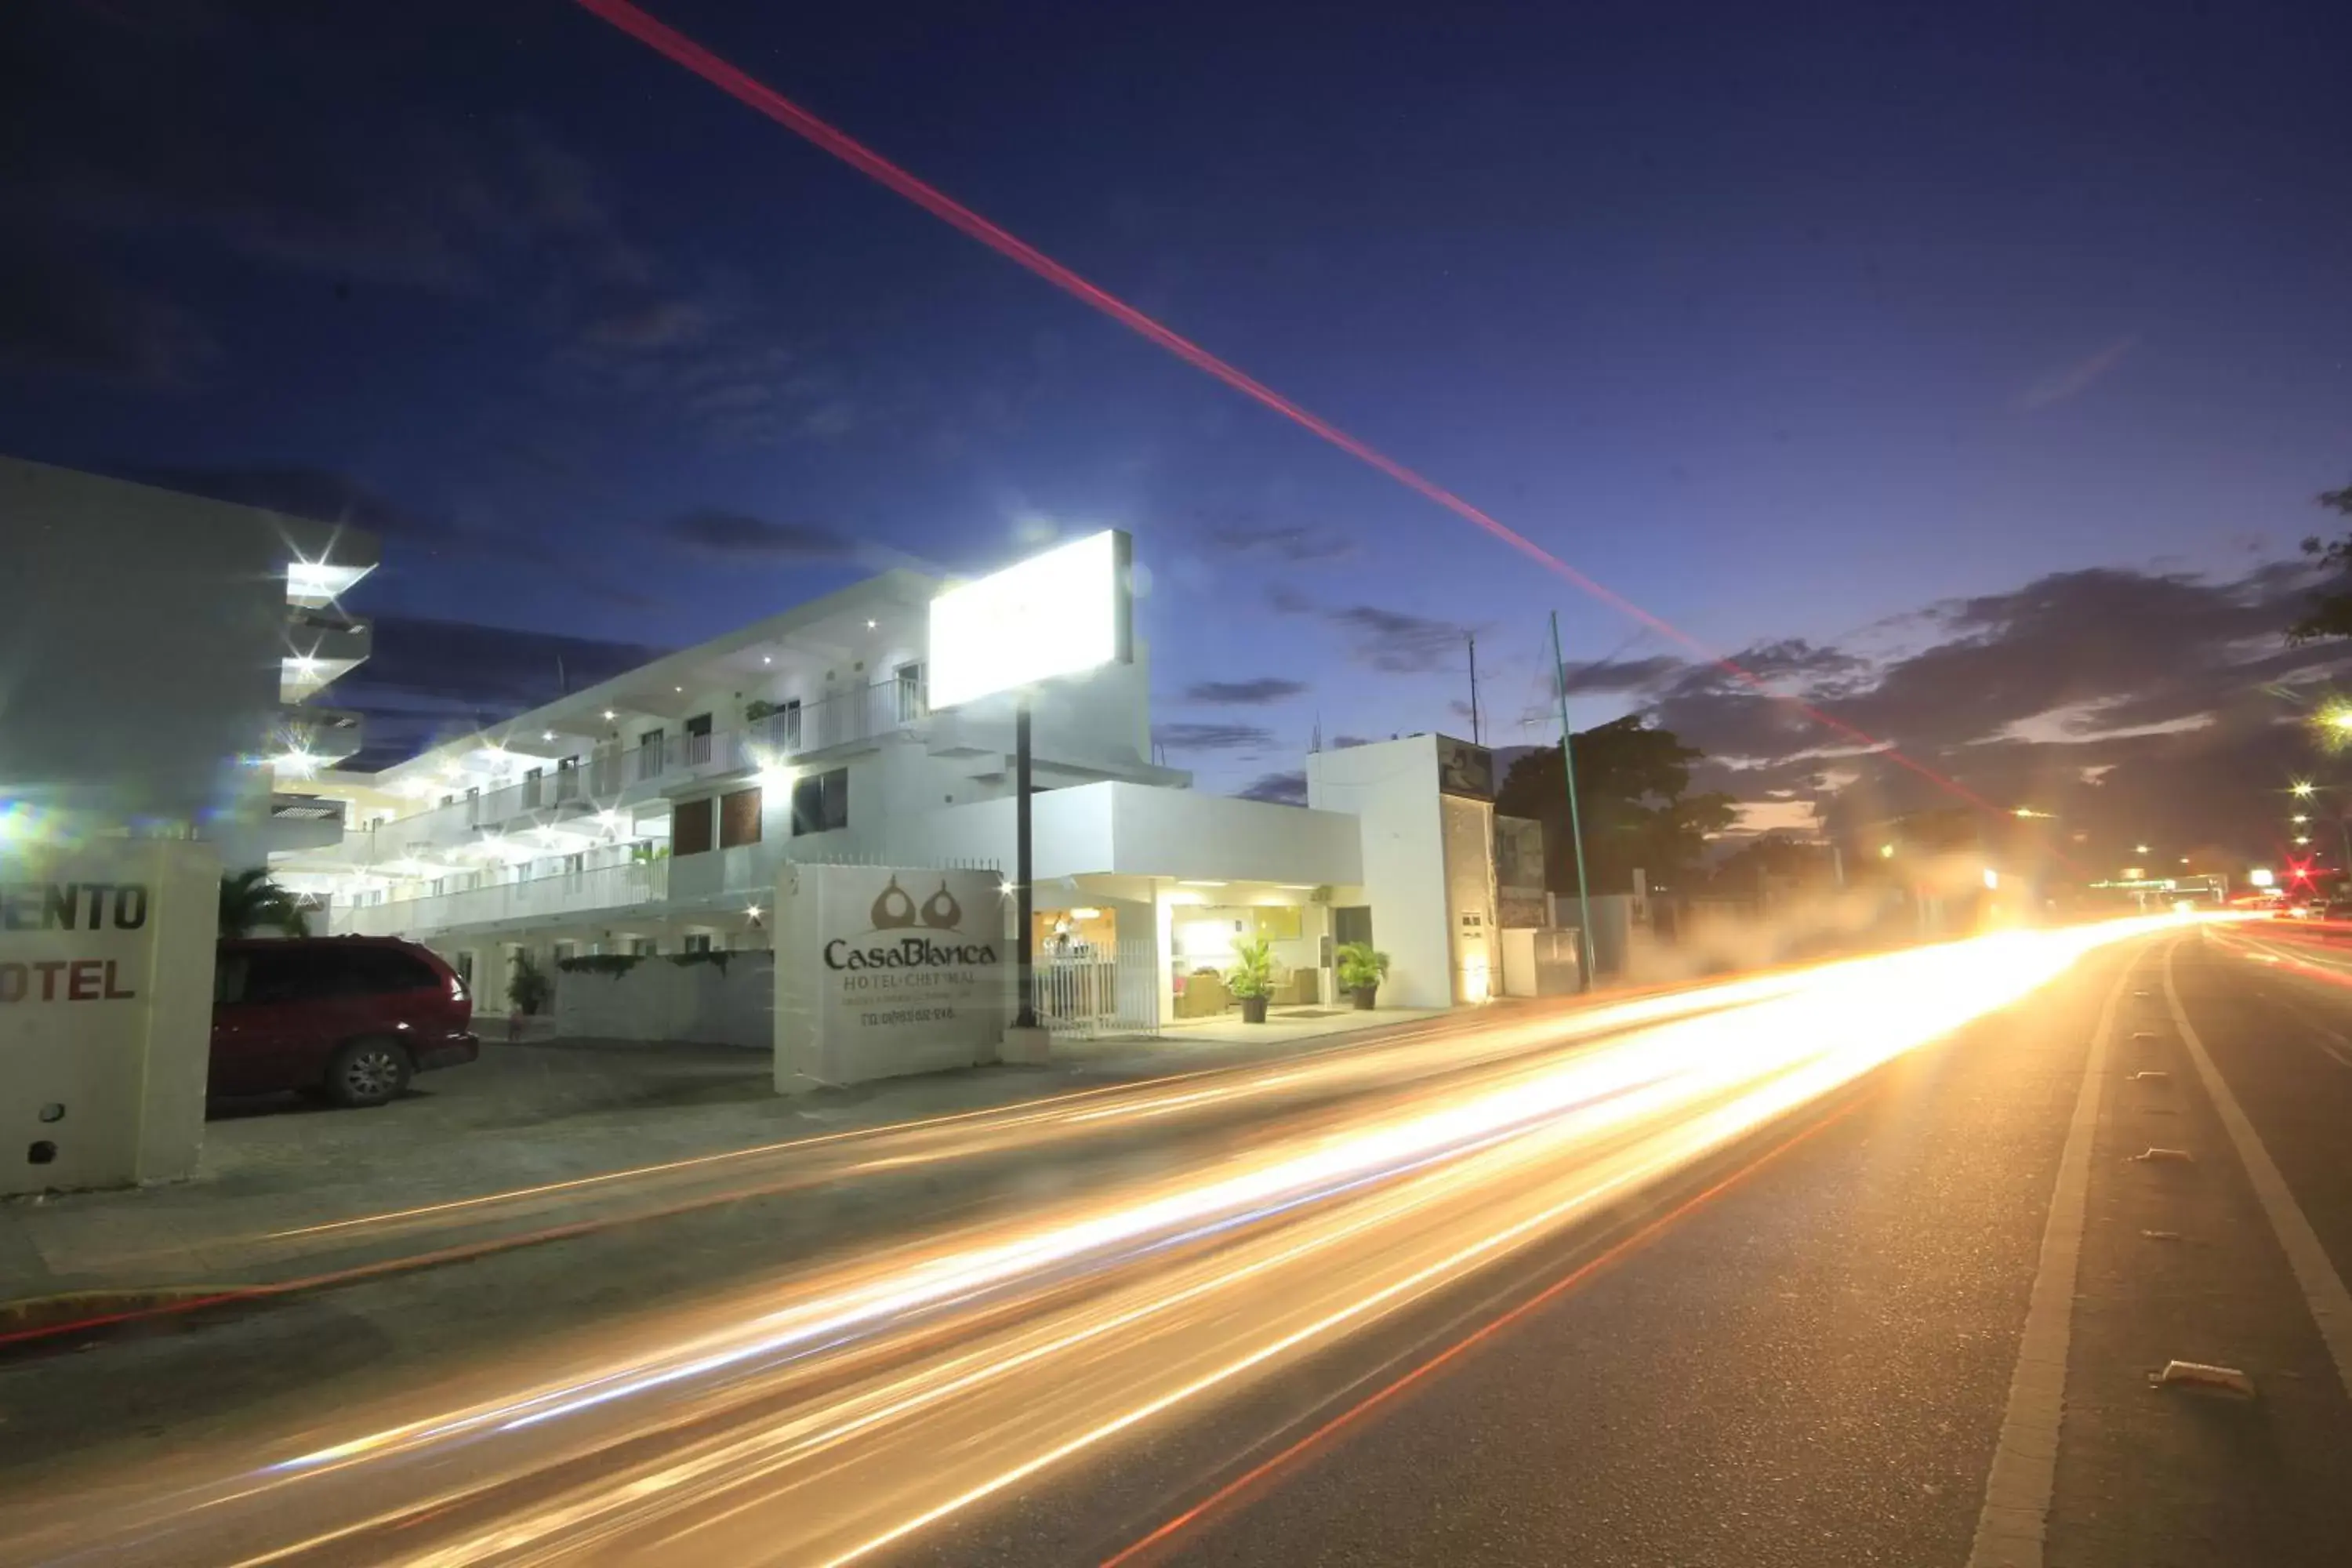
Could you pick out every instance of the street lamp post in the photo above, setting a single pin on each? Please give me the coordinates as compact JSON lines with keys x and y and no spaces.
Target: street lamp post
{"x":1575,"y":827}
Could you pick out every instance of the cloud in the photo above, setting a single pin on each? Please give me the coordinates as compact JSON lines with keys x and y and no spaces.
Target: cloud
{"x":428,"y":677}
{"x":1265,"y":689}
{"x":1278,"y":789}
{"x":2080,"y":692}
{"x":1285,"y":600}
{"x":649,"y":324}
{"x":1397,"y":642}
{"x":1213,"y":737}
{"x":2074,"y":380}
{"x":73,"y":319}
{"x":1297,"y":545}
{"x":1605,"y":675}
{"x":325,"y":496}
{"x":739,"y":536}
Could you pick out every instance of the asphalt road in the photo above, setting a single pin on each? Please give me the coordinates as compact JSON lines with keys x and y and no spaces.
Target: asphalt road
{"x":1745,"y":1283}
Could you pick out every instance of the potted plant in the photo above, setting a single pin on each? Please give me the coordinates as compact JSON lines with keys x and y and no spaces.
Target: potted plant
{"x":528,"y":988}
{"x":1251,"y":978}
{"x":1361,"y":970}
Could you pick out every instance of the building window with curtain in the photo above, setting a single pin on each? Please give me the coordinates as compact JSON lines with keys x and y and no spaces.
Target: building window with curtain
{"x":690,"y":827}
{"x":739,"y":818}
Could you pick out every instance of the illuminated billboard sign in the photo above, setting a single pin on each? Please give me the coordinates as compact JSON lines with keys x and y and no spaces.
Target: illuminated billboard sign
{"x":1064,"y":612}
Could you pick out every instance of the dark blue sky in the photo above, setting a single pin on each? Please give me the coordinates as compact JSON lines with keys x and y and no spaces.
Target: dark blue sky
{"x":1784,"y":322}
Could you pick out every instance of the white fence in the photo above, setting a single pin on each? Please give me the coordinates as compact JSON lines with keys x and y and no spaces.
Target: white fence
{"x":611,"y":774}
{"x":565,"y":893}
{"x":1109,"y":990}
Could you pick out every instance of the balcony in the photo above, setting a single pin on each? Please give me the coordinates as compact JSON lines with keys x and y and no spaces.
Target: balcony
{"x":613,"y":777}
{"x":538,"y":898}
{"x":320,"y":646}
{"x":299,"y":822}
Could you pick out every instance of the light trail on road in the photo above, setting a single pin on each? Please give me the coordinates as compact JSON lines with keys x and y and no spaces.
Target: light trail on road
{"x":828,"y":1418}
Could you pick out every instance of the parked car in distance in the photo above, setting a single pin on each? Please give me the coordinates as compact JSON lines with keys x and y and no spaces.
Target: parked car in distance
{"x":347,"y":1016}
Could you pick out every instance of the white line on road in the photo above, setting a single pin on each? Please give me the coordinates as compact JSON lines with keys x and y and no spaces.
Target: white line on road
{"x":2016,"y":1514}
{"x":2323,"y":1288}
{"x":2332,"y":1043}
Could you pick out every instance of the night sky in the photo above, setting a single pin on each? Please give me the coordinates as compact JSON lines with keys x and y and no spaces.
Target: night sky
{"x":1968,"y":369}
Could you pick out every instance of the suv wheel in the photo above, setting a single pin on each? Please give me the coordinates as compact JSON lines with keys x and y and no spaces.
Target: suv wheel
{"x":368,"y":1072}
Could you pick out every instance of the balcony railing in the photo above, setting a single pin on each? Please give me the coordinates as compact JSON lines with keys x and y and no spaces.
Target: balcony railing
{"x":539,"y":898}
{"x":616,"y":773}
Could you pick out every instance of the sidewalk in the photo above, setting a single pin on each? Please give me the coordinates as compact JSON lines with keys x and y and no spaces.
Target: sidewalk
{"x":284,"y":1185}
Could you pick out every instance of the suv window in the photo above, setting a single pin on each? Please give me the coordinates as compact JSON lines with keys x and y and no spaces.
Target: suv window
{"x":312,"y":974}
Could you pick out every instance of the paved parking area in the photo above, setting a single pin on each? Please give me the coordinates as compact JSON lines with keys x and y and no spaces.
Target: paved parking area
{"x":524,"y":1115}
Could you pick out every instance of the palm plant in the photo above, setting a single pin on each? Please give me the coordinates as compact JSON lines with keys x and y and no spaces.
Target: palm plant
{"x":1361,"y":970}
{"x":1252,"y":977}
{"x":250,"y":902}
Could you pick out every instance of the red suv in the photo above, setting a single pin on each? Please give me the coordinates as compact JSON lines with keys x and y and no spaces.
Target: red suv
{"x":350,"y":1016}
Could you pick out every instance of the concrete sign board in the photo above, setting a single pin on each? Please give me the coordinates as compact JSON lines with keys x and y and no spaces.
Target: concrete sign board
{"x":882,"y":972}
{"x":106,"y":991}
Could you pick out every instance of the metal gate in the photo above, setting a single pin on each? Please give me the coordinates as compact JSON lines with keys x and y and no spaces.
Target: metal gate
{"x":1112,"y":989}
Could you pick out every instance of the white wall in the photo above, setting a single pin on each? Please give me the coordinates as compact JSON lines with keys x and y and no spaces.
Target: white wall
{"x":1390,"y":791}
{"x":142,"y":633}
{"x":658,"y":1000}
{"x":105,"y":1012}
{"x":1138,"y":830}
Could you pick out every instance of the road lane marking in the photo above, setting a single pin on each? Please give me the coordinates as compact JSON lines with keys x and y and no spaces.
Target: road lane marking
{"x":2323,"y":1288}
{"x":2332,"y":1044}
{"x":2015,"y":1517}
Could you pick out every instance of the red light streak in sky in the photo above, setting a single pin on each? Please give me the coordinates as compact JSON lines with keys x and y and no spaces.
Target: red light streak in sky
{"x":737,"y":84}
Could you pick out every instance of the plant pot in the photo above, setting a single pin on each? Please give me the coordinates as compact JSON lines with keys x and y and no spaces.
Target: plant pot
{"x":1364,"y":994}
{"x":1253,"y":1009}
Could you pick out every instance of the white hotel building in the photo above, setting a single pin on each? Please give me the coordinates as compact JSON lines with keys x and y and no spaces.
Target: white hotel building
{"x":653,"y":814}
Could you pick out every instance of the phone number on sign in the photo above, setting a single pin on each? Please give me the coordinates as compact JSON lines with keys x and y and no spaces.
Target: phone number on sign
{"x":908,"y":1015}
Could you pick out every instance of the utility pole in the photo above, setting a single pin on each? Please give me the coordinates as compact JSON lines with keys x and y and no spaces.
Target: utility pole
{"x":1473,"y":638}
{"x":1575,"y":826}
{"x":1024,"y":956}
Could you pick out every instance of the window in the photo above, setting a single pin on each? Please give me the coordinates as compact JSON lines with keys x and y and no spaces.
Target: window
{"x":739,"y":818}
{"x":645,"y":946}
{"x":575,"y":864}
{"x":910,"y":693}
{"x":690,"y":827}
{"x":564,"y":950}
{"x":567,"y":778}
{"x":697,"y":941}
{"x":697,"y":739}
{"x":788,"y":724}
{"x":448,"y":800}
{"x":821,"y":802}
{"x":312,"y":973}
{"x":649,"y":754}
{"x":464,"y":967}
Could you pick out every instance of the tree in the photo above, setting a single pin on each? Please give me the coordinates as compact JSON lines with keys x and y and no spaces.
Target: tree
{"x":2330,"y":614}
{"x":1775,"y":856}
{"x":250,"y":902}
{"x":1631,"y":784}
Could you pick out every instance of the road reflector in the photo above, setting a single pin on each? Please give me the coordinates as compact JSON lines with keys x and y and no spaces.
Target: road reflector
{"x":2161,"y":1234}
{"x":2151,"y":1076}
{"x":2181,"y":1155}
{"x":2141,"y":994}
{"x":2196,"y":1377}
{"x":2143,"y":1034}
